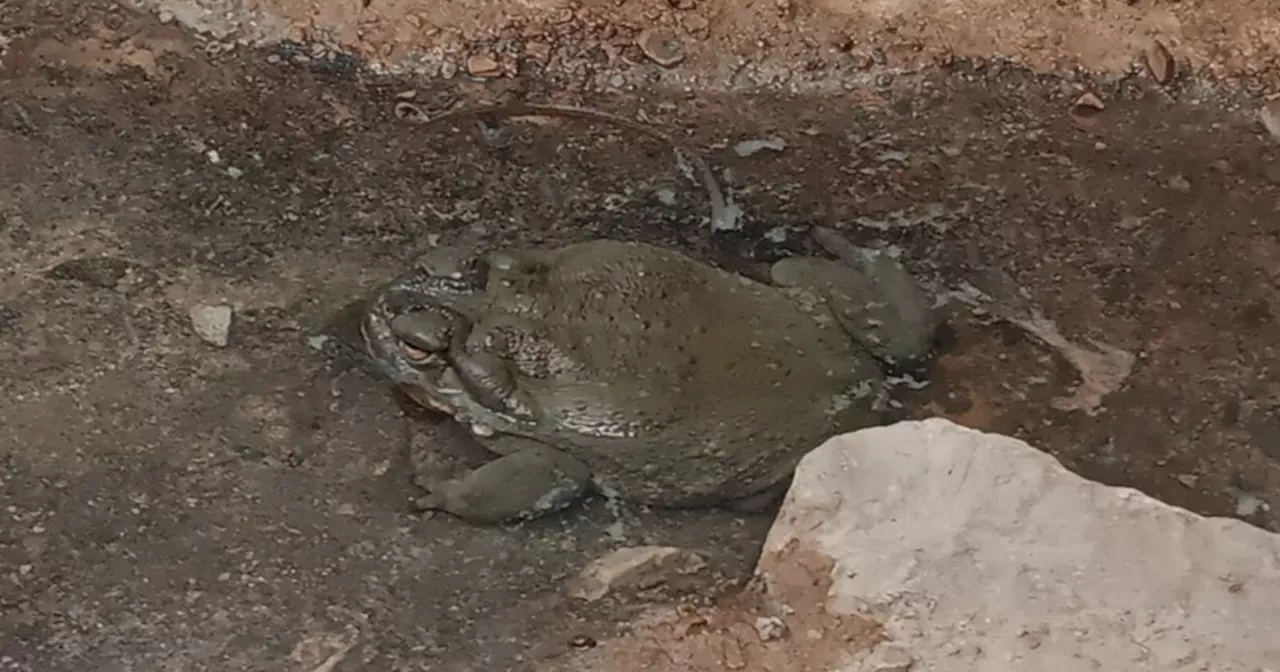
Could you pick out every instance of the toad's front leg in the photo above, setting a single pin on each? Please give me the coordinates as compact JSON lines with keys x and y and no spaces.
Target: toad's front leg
{"x":486,"y":365}
{"x":529,"y":481}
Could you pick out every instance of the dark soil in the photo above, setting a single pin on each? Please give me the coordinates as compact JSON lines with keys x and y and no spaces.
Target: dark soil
{"x":172,"y":505}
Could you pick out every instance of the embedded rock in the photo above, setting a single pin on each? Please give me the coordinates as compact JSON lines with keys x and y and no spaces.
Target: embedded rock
{"x":633,"y":567}
{"x":976,"y":551}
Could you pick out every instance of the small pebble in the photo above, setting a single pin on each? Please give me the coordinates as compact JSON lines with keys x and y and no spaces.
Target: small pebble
{"x":1248,"y":504}
{"x":695,"y":23}
{"x":582,"y":642}
{"x":212,"y":324}
{"x":1089,"y":101}
{"x":889,"y":658}
{"x":1269,"y":117}
{"x":661,"y":46}
{"x":749,"y":147}
{"x":1160,"y":63}
{"x":538,"y":51}
{"x":770,"y":628}
{"x":483,"y":65}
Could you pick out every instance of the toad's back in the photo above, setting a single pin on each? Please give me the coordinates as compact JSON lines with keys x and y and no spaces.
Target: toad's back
{"x":723,"y":381}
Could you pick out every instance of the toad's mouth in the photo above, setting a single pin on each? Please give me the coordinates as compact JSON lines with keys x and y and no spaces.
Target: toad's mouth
{"x":424,"y":376}
{"x":416,"y":371}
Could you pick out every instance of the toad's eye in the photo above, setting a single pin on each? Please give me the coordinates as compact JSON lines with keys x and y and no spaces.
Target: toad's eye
{"x":414,"y":354}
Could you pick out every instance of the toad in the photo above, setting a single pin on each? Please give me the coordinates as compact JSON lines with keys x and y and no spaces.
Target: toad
{"x":641,"y":373}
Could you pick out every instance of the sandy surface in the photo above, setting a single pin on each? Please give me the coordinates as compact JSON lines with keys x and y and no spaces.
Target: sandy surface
{"x":175,"y":505}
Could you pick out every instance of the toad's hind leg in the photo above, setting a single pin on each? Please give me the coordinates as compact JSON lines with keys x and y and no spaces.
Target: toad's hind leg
{"x":528,"y":482}
{"x":876,"y":301}
{"x":762,"y":501}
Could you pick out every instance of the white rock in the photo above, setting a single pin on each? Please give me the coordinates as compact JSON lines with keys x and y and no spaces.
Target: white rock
{"x":770,"y":628}
{"x":212,"y":324}
{"x":750,"y":147}
{"x":978,"y":552}
{"x":1269,"y":115}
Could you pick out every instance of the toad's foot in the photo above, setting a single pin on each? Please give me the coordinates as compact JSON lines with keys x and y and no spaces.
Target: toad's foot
{"x":876,"y":301}
{"x":761,"y":501}
{"x":531,"y":482}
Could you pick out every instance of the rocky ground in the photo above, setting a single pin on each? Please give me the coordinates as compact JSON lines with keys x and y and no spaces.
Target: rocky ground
{"x":173,"y":504}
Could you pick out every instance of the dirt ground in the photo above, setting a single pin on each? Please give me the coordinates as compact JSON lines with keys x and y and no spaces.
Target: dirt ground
{"x":174,"y":505}
{"x":777,"y":41}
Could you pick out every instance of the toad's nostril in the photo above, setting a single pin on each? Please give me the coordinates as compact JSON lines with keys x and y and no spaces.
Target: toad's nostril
{"x":449,"y":383}
{"x":443,"y":262}
{"x":427,"y":330}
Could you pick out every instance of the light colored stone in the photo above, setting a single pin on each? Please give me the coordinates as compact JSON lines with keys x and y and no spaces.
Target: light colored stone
{"x":1269,"y":116}
{"x":750,"y":147}
{"x":770,"y":628}
{"x":888,"y":658}
{"x":1090,"y":101}
{"x":636,"y":567}
{"x":978,"y":552}
{"x":538,"y":51}
{"x":483,"y":65}
{"x":1160,"y":62}
{"x":212,"y":324}
{"x":661,"y":46}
